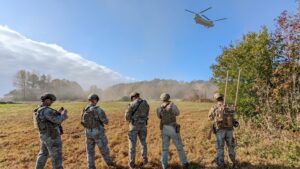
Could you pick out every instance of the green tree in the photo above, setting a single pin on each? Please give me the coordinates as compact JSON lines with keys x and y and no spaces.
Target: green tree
{"x":254,"y":55}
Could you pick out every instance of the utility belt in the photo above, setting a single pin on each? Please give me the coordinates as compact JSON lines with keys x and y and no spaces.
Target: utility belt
{"x":174,"y":125}
{"x":51,"y":131}
{"x":136,"y":122}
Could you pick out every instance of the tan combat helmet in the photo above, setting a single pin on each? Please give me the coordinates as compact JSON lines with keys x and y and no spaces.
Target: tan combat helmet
{"x":164,"y":97}
{"x":134,"y":94}
{"x":46,"y":96}
{"x":218,"y":96}
{"x":93,"y":97}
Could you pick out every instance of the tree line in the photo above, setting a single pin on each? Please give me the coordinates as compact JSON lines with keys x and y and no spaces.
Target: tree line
{"x":270,"y":78}
{"x":30,"y":85}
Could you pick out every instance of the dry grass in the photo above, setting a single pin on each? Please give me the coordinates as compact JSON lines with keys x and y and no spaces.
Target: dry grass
{"x":256,"y":148}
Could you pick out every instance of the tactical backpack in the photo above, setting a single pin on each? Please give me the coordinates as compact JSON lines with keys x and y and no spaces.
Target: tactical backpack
{"x":224,"y":117}
{"x":90,"y":118}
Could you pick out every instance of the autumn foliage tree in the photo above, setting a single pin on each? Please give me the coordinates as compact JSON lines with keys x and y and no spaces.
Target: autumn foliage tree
{"x":270,"y":79}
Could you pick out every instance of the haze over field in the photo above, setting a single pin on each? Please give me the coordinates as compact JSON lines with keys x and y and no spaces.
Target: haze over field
{"x":19,"y":52}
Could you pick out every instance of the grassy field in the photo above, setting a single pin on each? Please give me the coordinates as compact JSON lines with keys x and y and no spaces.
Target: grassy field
{"x":255,"y":148}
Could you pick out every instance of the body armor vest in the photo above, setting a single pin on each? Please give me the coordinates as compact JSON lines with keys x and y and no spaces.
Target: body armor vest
{"x":167,"y":115}
{"x":45,"y":126}
{"x":90,"y":118}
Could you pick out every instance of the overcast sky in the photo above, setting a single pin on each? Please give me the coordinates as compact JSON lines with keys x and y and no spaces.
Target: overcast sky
{"x":104,"y":42}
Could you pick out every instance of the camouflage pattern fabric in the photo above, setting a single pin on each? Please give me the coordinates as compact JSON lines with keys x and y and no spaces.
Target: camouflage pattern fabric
{"x":49,"y":144}
{"x":168,"y":133}
{"x":96,"y":136}
{"x":52,"y":147}
{"x":223,"y":135}
{"x":139,"y":132}
{"x":137,"y":128}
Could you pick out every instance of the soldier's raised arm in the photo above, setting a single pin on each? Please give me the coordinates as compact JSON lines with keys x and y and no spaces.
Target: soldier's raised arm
{"x":54,"y":117}
{"x":102,"y":115}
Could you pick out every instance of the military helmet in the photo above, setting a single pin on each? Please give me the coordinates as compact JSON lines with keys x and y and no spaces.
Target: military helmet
{"x":134,"y":94}
{"x":218,"y":96}
{"x":46,"y":96}
{"x":93,"y":97}
{"x":164,"y":97}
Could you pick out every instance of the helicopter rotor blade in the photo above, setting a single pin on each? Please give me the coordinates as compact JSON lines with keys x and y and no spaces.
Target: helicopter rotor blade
{"x":220,"y":19}
{"x":205,"y":17}
{"x":205,"y":10}
{"x":191,"y":11}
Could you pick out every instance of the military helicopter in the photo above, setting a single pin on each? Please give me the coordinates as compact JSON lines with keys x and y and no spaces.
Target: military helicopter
{"x":203,"y":20}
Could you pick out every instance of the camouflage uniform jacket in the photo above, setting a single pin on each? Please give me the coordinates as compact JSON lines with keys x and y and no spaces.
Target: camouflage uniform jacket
{"x":48,"y":121}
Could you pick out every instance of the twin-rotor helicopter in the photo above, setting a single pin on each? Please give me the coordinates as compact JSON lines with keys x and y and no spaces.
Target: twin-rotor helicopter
{"x":202,"y":19}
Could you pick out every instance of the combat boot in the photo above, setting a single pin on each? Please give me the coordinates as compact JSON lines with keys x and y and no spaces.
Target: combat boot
{"x":145,"y":161}
{"x":186,"y":166}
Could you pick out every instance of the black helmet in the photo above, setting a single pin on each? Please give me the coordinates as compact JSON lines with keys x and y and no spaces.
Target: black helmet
{"x":93,"y":97}
{"x":46,"y":96}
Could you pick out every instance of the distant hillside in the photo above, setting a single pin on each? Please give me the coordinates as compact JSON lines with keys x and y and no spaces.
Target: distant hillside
{"x":152,"y":89}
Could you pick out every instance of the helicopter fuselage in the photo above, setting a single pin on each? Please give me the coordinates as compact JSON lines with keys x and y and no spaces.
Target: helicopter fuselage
{"x":199,"y":20}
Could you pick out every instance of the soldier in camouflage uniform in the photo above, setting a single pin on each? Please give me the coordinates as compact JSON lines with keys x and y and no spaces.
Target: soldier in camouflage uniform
{"x":93,"y":119}
{"x":167,"y":113}
{"x":48,"y":122}
{"x":223,"y":118}
{"x":137,"y":116}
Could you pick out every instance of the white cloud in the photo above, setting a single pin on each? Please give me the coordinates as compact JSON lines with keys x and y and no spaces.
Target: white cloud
{"x":19,"y":52}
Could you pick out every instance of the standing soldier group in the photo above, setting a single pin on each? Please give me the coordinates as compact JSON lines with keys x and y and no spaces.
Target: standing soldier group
{"x":93,"y":118}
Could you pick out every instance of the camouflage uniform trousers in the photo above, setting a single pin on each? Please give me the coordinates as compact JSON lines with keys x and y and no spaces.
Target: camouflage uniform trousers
{"x":52,"y":147}
{"x":134,"y":133}
{"x":222,"y":136}
{"x":97,"y":137}
{"x":169,"y":133}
